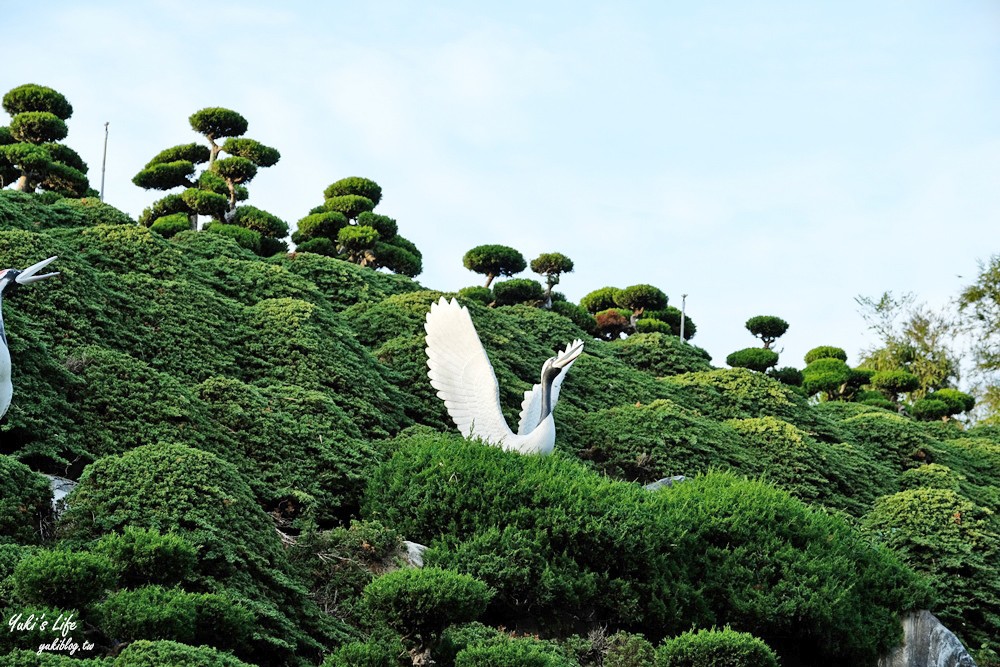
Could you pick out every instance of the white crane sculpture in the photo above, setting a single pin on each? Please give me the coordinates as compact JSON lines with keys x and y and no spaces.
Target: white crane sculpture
{"x":464,"y":378}
{"x":10,"y":280}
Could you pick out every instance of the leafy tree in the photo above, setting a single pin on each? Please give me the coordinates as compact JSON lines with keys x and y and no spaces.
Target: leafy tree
{"x":912,"y":338}
{"x":518,"y":290}
{"x":215,"y":191}
{"x":892,"y":383}
{"x":755,"y":358}
{"x":768,"y":328}
{"x":956,"y":401}
{"x":640,"y":298}
{"x":551,"y":265}
{"x":825,"y":352}
{"x":494,"y":260}
{"x":979,"y":312}
{"x":600,"y":299}
{"x":345,"y":227}
{"x":612,"y":323}
{"x":30,"y":155}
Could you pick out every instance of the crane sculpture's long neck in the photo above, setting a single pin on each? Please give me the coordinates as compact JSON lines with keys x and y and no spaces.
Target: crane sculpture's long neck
{"x":549,"y":374}
{"x":3,"y":332}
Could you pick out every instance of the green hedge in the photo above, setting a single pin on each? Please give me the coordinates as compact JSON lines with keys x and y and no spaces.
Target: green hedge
{"x":715,"y":648}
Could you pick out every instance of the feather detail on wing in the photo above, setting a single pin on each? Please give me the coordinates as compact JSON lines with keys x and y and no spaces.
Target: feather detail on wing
{"x":462,"y":374}
{"x":531,"y":406}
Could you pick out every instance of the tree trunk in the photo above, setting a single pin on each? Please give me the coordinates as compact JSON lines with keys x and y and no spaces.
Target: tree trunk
{"x":421,"y":657}
{"x":489,"y":279}
{"x":22,"y":183}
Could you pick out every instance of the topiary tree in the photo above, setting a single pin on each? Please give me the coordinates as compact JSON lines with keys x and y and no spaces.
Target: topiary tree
{"x":956,"y":401}
{"x":755,"y":358}
{"x":640,"y":298}
{"x":768,"y":328}
{"x":518,"y":290}
{"x":420,"y":603}
{"x":599,"y":300}
{"x":929,"y":409}
{"x":494,"y":260}
{"x":30,"y":155}
{"x":612,"y":323}
{"x":215,"y":191}
{"x":893,"y":383}
{"x":345,"y":227}
{"x":825,"y":352}
{"x":551,"y":265}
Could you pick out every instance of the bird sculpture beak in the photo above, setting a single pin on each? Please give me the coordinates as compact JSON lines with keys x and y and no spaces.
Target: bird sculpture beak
{"x":564,"y":359}
{"x":28,"y":275}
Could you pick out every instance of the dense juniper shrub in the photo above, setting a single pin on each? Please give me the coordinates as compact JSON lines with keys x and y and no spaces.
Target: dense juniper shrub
{"x":382,"y":651}
{"x":754,"y":358}
{"x":957,"y":544}
{"x":797,"y":577}
{"x":344,"y":283}
{"x":32,"y":627}
{"x":598,"y":555}
{"x":24,"y":500}
{"x":419,"y":603}
{"x":476,"y":294}
{"x":144,"y":653}
{"x":715,"y":648}
{"x":206,"y":501}
{"x":520,"y":652}
{"x":887,"y":437}
{"x":32,"y":658}
{"x":738,"y":393}
{"x":660,"y":354}
{"x":625,"y":649}
{"x":146,"y":556}
{"x":647,"y":442}
{"x":931,"y":476}
{"x":518,"y":290}
{"x":62,"y":578}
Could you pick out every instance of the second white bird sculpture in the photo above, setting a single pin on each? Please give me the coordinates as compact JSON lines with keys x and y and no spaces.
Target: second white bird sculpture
{"x":464,"y":378}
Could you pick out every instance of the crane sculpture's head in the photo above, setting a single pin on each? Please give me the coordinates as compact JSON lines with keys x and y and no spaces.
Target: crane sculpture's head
{"x":555,"y":365}
{"x":11,"y":279}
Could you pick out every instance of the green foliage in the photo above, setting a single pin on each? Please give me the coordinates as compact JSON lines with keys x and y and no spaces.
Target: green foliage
{"x":203,"y":499}
{"x":494,"y":260}
{"x":386,"y":227}
{"x":715,"y":648}
{"x":24,"y":500}
{"x":660,"y":354}
{"x":826,"y":375}
{"x":259,"y":221}
{"x":767,"y":327}
{"x":155,"y":612}
{"x":253,"y":150}
{"x":825,"y":352}
{"x":320,"y":225}
{"x":931,"y":476}
{"x":893,"y":383}
{"x":351,"y":206}
{"x":32,"y":658}
{"x":32,"y":97}
{"x":477,"y":294}
{"x":63,"y":579}
{"x":193,"y":153}
{"x":218,"y":122}
{"x":380,"y":652}
{"x":421,"y":602}
{"x":204,"y":202}
{"x":38,"y":127}
{"x":246,"y":238}
{"x":146,"y":556}
{"x":144,"y":653}
{"x":929,"y":409}
{"x":769,"y":564}
{"x":625,"y":649}
{"x":235,"y":169}
{"x":638,"y":298}
{"x":600,"y":299}
{"x":955,"y":542}
{"x":165,"y":175}
{"x":890,"y":438}
{"x":956,"y":401}
{"x":319,"y":246}
{"x":647,"y":442}
{"x":754,"y":358}
{"x":612,"y":323}
{"x":577,"y":315}
{"x":36,"y":630}
{"x":357,"y":186}
{"x":522,"y":652}
{"x":518,"y":290}
{"x":787,"y":375}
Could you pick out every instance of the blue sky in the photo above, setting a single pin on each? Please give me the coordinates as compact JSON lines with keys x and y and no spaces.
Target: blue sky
{"x":763,"y":158}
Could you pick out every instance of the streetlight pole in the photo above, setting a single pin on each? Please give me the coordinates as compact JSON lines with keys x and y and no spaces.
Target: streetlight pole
{"x":683,"y":305}
{"x":104,"y":159}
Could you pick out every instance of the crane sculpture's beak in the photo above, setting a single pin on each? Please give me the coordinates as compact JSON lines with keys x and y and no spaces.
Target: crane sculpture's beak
{"x":569,"y":355}
{"x":28,"y":275}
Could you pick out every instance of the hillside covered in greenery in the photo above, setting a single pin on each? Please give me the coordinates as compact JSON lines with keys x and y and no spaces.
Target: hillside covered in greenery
{"x":254,"y":438}
{"x":256,"y":446}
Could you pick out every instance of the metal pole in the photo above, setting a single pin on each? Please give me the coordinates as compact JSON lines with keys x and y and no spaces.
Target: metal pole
{"x":104,"y":160}
{"x":683,"y":305}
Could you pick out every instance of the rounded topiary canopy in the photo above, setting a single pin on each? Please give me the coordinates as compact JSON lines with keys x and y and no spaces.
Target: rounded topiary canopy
{"x":32,"y":97}
{"x":600,"y":300}
{"x":825,"y":352}
{"x":494,"y":260}
{"x":218,"y":122}
{"x":641,"y":297}
{"x":355,"y":185}
{"x":755,"y":358}
{"x":767,"y":328}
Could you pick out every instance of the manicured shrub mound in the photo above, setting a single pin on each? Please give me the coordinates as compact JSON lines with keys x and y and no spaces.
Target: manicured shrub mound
{"x":24,"y":500}
{"x":660,"y":354}
{"x":715,"y":648}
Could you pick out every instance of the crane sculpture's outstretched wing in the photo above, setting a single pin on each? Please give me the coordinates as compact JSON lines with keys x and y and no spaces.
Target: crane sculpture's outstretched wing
{"x":531,"y":406}
{"x":462,"y":374}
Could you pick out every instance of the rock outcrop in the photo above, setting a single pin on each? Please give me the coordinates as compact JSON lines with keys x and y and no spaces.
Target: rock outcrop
{"x":927,"y":643}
